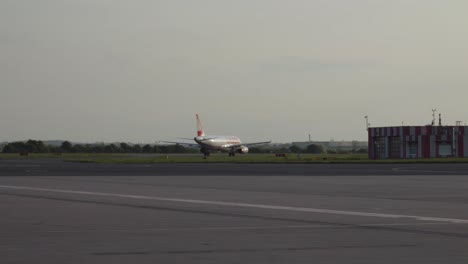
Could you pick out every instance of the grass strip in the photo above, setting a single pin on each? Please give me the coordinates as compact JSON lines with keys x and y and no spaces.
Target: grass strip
{"x":131,"y":158}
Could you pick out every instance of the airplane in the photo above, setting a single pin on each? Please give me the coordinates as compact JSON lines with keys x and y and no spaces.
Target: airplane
{"x":207,"y":144}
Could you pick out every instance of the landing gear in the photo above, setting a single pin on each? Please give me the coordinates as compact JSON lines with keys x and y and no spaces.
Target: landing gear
{"x":232,"y":154}
{"x":206,"y":152}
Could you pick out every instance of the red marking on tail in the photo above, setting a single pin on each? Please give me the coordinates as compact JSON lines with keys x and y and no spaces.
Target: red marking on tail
{"x":200,"y":131}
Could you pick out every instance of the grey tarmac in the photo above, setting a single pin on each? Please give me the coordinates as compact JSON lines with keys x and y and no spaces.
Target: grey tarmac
{"x":58,"y":212}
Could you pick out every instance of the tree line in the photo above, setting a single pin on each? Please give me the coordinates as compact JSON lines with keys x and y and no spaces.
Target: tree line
{"x":310,"y":149}
{"x":37,"y":146}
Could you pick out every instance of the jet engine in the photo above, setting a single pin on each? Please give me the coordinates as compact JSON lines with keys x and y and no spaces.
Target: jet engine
{"x":243,"y":150}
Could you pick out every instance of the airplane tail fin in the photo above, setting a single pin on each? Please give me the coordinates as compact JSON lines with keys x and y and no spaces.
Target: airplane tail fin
{"x":200,"y":131}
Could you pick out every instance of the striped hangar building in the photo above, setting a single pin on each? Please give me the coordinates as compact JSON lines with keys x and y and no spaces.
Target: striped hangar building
{"x":405,"y":142}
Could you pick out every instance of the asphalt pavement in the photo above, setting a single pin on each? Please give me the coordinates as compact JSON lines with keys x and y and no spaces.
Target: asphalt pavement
{"x":58,"y":212}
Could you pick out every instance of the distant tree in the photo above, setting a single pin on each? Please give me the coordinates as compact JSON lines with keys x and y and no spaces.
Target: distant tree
{"x":262,"y":149}
{"x":77,"y":148}
{"x":66,"y":146}
{"x":331,"y":151}
{"x":315,"y":149}
{"x":343,"y":151}
{"x":36,"y":146}
{"x":163,"y":149}
{"x":354,"y":145}
{"x":111,"y":148}
{"x":124,"y":147}
{"x":295,"y":149}
{"x":156,"y":149}
{"x":136,"y":149}
{"x":179,"y":149}
{"x":362,"y":151}
{"x":54,"y":149}
{"x":255,"y":150}
{"x":147,"y":149}
{"x":10,"y":148}
{"x":32,"y":146}
{"x":282,"y":149}
{"x":100,"y":148}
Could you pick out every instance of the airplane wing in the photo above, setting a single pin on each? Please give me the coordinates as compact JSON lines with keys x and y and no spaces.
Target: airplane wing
{"x":185,"y":138}
{"x":256,"y":143}
{"x":251,"y":144}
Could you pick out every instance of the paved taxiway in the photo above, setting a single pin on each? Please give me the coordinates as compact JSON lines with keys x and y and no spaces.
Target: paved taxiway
{"x":272,"y":214}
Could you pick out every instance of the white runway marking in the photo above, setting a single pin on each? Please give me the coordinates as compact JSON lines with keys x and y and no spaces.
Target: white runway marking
{"x":233,"y":204}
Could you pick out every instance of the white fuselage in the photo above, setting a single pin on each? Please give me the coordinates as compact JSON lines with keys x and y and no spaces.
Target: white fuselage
{"x":218,"y":142}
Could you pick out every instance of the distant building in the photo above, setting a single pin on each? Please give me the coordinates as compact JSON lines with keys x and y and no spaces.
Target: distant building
{"x":405,"y":142}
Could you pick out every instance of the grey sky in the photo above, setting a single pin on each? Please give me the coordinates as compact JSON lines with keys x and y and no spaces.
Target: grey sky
{"x":121,"y":70}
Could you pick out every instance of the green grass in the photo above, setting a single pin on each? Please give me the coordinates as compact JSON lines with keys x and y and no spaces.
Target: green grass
{"x":129,"y":158}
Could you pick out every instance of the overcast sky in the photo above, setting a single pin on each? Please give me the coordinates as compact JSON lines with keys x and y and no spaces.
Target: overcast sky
{"x":139,"y":70}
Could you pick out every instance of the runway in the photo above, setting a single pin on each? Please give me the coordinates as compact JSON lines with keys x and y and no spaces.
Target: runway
{"x":55,"y":212}
{"x":56,"y":167}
